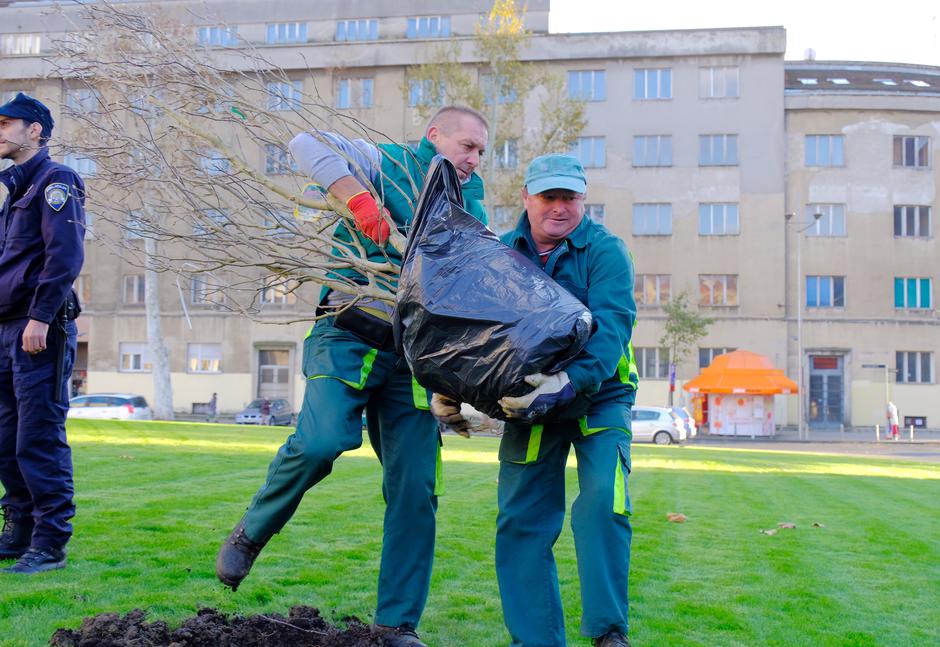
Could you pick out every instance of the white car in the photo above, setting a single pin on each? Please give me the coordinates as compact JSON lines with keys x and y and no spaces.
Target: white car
{"x":658,"y":424}
{"x":110,"y":406}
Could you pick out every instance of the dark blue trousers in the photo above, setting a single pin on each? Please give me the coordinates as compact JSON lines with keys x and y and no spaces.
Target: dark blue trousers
{"x":35,"y":458}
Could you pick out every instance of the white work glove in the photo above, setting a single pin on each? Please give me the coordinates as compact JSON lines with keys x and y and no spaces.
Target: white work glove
{"x":550,"y":392}
{"x":448,"y":413}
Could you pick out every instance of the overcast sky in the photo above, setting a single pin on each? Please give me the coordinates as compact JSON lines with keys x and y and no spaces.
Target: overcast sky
{"x":897,"y":31}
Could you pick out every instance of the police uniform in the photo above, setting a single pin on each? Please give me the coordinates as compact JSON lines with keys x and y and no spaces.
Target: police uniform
{"x":41,"y":254}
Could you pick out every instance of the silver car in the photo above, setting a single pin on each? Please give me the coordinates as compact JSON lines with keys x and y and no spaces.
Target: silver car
{"x":110,"y":406}
{"x":281,"y":413}
{"x":658,"y":424}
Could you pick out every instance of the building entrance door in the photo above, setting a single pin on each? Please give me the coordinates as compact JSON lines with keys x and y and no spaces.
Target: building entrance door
{"x":826,"y":391}
{"x":274,"y":374}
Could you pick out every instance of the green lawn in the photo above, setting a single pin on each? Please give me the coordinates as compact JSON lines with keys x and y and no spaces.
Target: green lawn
{"x":156,"y":499}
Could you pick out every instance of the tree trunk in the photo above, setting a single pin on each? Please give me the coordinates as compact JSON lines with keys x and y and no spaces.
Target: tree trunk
{"x":162,"y":389}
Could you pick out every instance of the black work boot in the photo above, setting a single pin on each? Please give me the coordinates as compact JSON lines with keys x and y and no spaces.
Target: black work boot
{"x":236,"y":556}
{"x":16,"y":535}
{"x":611,"y":639}
{"x":37,"y":560}
{"x":399,"y":636}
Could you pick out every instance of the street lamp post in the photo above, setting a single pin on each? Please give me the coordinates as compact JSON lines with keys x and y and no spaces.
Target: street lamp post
{"x":799,"y":318}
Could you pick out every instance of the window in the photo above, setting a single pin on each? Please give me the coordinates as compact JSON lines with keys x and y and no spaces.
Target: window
{"x":825,"y":150}
{"x":19,"y":44}
{"x":912,"y":220}
{"x":718,"y":150}
{"x":278,"y":161}
{"x":89,"y":225}
{"x":213,"y":162}
{"x":8,"y":95}
{"x":912,"y":151}
{"x":590,"y":151}
{"x":507,"y":154}
{"x":719,"y":82}
{"x":910,"y":292}
{"x":707,"y":355}
{"x":82,"y":287}
{"x":84,"y":166}
{"x":133,"y":289}
{"x":135,"y":357}
{"x":134,"y":226}
{"x":81,"y":100}
{"x":718,"y":289}
{"x":425,"y":92}
{"x":279,"y":292}
{"x":204,"y":290}
{"x":587,"y":85}
{"x":287,"y":32}
{"x":497,"y":88}
{"x":832,"y":222}
{"x":285,"y":95}
{"x":204,"y":358}
{"x":651,"y":289}
{"x":210,"y":222}
{"x":217,"y":36}
{"x":825,"y":291}
{"x":652,"y":150}
{"x":595,"y":212}
{"x":652,"y":219}
{"x":652,"y":363}
{"x":718,"y":219}
{"x":428,"y":27}
{"x":355,"y":93}
{"x":364,"y":29}
{"x":915,"y":367}
{"x":653,"y":83}
{"x":504,"y":218}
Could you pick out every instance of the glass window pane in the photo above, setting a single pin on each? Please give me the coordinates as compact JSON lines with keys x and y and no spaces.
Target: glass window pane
{"x":639,"y":85}
{"x":838,"y":289}
{"x":898,"y":293}
{"x":911,"y":293}
{"x":925,"y":293}
{"x":812,"y":294}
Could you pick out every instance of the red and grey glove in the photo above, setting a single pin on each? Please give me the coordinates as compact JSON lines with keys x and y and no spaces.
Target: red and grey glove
{"x":369,"y":218}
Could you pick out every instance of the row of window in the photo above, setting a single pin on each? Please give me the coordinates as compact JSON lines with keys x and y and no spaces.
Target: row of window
{"x":910,"y":293}
{"x":135,"y":357}
{"x":356,"y":29}
{"x":914,"y":367}
{"x":203,"y":290}
{"x":715,"y":82}
{"x":829,"y":150}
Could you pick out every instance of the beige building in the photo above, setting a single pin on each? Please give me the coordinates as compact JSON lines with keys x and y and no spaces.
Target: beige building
{"x":698,"y":143}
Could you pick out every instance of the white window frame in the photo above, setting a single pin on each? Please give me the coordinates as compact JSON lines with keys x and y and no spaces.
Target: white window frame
{"x":831,"y":224}
{"x":357,"y":29}
{"x":591,"y":151}
{"x":909,"y":221}
{"x":134,"y":357}
{"x":134,"y":226}
{"x":20,"y":44}
{"x":204,"y":358}
{"x":425,"y":92}
{"x":658,"y":285}
{"x":824,"y":150}
{"x":718,"y":150}
{"x":211,"y":220}
{"x":723,"y":282}
{"x":587,"y":85}
{"x":285,"y":95}
{"x":134,"y":293}
{"x":903,"y":365}
{"x":652,"y":150}
{"x":595,"y":212}
{"x":907,"y":151}
{"x":213,"y":162}
{"x":84,"y":166}
{"x":719,"y":219}
{"x":711,"y":353}
{"x":825,"y":291}
{"x":506,"y":156}
{"x":355,"y":92}
{"x":278,"y":161}
{"x":279,"y":292}
{"x":719,"y":82}
{"x":217,"y":35}
{"x":657,"y":214}
{"x":651,"y":356}
{"x":427,"y":27}
{"x":652,"y":84}
{"x":918,"y":292}
{"x":282,"y":33}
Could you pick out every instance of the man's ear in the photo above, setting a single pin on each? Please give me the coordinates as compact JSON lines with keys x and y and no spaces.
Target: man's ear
{"x":35,"y":130}
{"x":432,"y":134}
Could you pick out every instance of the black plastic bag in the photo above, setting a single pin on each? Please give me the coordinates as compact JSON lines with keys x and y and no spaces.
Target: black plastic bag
{"x":473,"y":316}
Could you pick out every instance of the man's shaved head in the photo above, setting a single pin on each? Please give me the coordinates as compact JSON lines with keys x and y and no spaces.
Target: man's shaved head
{"x":449,"y":117}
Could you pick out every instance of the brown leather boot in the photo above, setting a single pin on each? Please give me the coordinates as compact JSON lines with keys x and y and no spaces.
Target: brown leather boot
{"x":236,"y":557}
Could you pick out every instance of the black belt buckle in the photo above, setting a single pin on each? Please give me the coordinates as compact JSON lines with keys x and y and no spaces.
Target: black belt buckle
{"x":373,"y":330}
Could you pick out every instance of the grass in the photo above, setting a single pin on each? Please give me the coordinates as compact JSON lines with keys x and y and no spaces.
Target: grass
{"x":156,"y":499}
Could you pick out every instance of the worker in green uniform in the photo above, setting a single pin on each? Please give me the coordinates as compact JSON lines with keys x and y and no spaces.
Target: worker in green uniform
{"x":595,"y":266}
{"x":350,"y":364}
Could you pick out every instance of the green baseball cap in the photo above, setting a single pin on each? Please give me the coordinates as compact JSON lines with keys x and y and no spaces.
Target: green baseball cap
{"x":555,"y":172}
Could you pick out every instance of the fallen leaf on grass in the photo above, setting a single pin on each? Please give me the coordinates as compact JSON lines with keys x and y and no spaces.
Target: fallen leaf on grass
{"x":127,"y":457}
{"x":786,"y":524}
{"x":769,"y":531}
{"x":676,"y":517}
{"x":816,"y":524}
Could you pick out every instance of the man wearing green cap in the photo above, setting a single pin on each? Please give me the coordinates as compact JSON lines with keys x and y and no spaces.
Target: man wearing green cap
{"x":595,"y":266}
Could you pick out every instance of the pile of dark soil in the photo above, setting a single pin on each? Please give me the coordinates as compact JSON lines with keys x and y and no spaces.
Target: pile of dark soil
{"x":303,"y":627}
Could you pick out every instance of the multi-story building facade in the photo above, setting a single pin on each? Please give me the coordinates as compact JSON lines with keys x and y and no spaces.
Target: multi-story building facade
{"x":697,"y":145}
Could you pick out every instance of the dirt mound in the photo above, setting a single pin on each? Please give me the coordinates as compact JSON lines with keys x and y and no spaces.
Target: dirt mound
{"x":303,"y":627}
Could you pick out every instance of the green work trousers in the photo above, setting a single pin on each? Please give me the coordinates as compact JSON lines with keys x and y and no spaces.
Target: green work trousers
{"x":531,"y":497}
{"x":345,"y":375}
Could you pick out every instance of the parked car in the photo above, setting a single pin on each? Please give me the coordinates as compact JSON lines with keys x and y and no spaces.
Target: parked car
{"x":110,"y":406}
{"x":658,"y":424}
{"x":691,"y":429}
{"x":280,"y":413}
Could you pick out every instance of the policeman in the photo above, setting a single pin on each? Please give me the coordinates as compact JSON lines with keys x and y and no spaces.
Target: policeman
{"x":350,"y":363}
{"x":545,"y":423}
{"x":42,"y":226}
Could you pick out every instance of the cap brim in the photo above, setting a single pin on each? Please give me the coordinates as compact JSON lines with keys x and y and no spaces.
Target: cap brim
{"x":558,"y":182}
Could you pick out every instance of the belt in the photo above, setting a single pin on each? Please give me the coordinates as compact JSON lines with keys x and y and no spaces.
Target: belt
{"x":375,"y":331}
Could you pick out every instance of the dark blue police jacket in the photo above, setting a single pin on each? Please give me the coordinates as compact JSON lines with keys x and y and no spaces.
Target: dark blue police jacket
{"x":42,"y":226}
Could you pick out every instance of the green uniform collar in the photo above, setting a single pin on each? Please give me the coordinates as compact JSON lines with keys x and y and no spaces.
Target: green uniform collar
{"x":577,"y":238}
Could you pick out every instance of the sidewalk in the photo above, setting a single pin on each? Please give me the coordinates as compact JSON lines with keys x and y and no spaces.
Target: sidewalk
{"x":850,"y":435}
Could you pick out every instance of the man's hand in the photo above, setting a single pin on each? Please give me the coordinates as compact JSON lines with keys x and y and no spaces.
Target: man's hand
{"x":447,"y":412}
{"x":550,"y":392}
{"x":34,"y":336}
{"x":369,"y":219}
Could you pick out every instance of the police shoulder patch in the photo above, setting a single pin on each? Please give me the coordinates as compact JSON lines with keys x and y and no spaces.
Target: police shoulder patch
{"x":57,"y":194}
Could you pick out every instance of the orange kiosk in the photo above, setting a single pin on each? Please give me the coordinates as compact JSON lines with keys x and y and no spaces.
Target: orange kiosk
{"x":734,"y":395}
